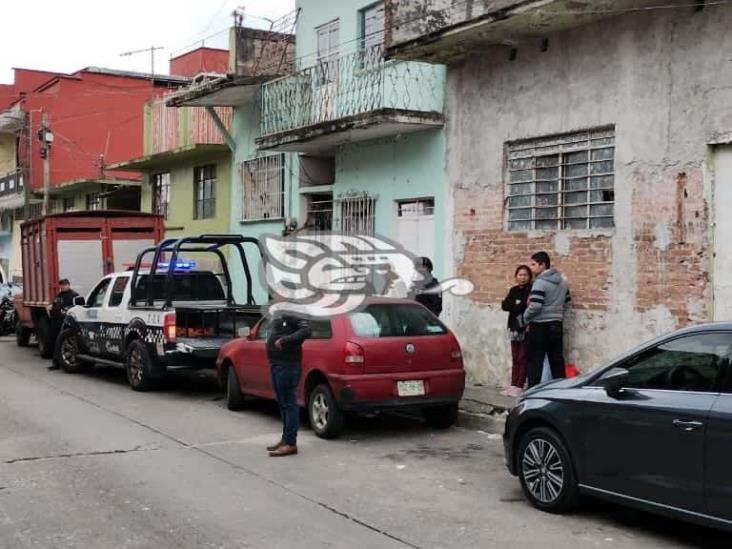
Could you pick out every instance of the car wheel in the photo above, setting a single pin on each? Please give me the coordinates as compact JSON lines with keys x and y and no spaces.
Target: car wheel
{"x":22,"y":334}
{"x":326,"y":418}
{"x":546,"y":471}
{"x":67,"y":353}
{"x":45,"y":345}
{"x":138,"y":366}
{"x":440,"y":417}
{"x":234,"y":397}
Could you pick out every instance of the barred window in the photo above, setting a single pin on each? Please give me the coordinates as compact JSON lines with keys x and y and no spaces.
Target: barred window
{"x":94,"y":201}
{"x":357,"y":213}
{"x":204,"y":179}
{"x":161,"y":194}
{"x":263,"y":187}
{"x":69,"y":204}
{"x":562,"y":182}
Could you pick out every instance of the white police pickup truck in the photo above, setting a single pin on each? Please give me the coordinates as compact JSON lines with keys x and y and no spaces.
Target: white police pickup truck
{"x":162,"y":316}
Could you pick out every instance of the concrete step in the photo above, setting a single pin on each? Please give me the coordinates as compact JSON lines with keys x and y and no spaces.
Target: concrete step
{"x":484,"y":409}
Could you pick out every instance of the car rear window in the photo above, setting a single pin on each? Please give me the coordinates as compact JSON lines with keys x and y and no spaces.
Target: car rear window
{"x":395,"y":320}
{"x":192,"y":286}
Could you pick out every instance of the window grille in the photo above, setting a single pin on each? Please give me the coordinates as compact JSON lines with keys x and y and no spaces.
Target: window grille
{"x":562,"y":182}
{"x":204,"y":178}
{"x":357,"y":213}
{"x":94,"y":201}
{"x":319,"y":212}
{"x":69,"y":204}
{"x":263,"y":187}
{"x":161,"y":194}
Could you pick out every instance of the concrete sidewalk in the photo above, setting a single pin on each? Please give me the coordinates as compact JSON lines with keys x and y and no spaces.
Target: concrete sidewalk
{"x":484,"y":408}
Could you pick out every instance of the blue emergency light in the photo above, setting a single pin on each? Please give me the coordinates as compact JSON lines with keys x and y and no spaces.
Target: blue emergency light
{"x":179,"y":265}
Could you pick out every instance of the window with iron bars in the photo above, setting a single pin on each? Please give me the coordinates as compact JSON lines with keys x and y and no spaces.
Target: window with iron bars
{"x":94,"y":201}
{"x":562,"y":182}
{"x":161,"y":194}
{"x":263,"y":187}
{"x":69,"y":203}
{"x":357,"y":213}
{"x":204,"y":180}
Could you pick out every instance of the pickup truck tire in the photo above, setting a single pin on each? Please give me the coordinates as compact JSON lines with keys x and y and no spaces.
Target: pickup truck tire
{"x":138,"y":366}
{"x":326,"y":418}
{"x":440,"y":417}
{"x":43,"y":335}
{"x":22,"y":334}
{"x":67,"y":353}
{"x":234,"y":396}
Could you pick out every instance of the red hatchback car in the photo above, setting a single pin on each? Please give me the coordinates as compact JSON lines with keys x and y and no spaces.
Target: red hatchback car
{"x":390,"y":354}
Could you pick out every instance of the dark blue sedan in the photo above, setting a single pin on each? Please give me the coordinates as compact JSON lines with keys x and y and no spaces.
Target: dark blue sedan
{"x":651,"y":430}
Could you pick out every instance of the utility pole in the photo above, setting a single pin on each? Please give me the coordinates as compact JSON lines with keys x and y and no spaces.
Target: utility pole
{"x":151,"y":49}
{"x":46,"y":138}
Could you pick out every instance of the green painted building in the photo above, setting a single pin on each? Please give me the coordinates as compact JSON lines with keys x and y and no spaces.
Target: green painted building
{"x":335,"y":137}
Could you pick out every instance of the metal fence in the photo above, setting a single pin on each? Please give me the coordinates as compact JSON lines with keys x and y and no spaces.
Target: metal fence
{"x":357,"y":83}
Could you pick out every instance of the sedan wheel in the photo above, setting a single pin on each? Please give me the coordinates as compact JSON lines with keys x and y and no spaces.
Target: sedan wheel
{"x":543,"y":470}
{"x":326,"y":418}
{"x":546,"y":471}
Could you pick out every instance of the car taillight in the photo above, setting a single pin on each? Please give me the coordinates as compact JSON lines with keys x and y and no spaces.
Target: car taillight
{"x":169,"y":327}
{"x":456,"y":355}
{"x":354,"y":357}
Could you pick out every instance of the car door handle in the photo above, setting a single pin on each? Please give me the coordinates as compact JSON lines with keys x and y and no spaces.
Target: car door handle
{"x":688,"y":425}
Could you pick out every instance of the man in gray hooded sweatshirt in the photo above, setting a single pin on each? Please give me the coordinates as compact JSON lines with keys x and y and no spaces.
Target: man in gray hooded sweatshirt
{"x":548,"y":301}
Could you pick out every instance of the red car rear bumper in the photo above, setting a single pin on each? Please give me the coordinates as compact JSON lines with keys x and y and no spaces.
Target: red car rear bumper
{"x":379,"y":391}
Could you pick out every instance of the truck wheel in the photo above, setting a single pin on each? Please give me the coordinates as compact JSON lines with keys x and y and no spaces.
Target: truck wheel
{"x":138,"y":366}
{"x":440,"y":417}
{"x":234,"y":398}
{"x":67,"y":353}
{"x":22,"y":334}
{"x":326,"y":418}
{"x":43,"y":335}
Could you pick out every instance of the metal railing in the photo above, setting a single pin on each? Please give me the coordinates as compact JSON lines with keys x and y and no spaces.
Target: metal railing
{"x":357,"y":83}
{"x":170,"y":128}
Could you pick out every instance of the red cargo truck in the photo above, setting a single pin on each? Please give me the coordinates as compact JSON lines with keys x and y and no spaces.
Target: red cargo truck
{"x":80,"y":246}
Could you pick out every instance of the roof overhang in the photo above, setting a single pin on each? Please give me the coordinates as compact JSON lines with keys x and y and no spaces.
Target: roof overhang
{"x":448,"y":36}
{"x":173,"y":157}
{"x":230,"y":91}
{"x":80,"y":185}
{"x":326,"y":136}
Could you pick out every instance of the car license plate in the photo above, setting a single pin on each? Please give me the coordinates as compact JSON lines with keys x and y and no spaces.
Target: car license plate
{"x":410,"y":388}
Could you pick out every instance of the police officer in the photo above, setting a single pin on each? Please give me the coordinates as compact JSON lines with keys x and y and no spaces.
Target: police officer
{"x":64,"y":300}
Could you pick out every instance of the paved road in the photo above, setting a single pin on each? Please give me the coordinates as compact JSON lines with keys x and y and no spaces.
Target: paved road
{"x":87,"y":463}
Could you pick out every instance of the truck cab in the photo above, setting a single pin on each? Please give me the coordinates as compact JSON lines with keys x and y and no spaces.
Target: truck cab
{"x":162,"y":316}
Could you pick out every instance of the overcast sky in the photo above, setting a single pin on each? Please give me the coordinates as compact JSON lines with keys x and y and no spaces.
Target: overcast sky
{"x":65,"y":36}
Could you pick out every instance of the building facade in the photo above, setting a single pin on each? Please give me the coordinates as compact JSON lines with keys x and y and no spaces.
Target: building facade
{"x":598,"y":134}
{"x":186,"y":162}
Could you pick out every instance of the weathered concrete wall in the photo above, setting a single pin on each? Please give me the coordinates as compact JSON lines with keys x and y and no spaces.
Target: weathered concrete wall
{"x":663,"y":79}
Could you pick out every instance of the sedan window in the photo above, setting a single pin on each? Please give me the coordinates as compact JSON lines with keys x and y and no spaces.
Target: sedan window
{"x":692,"y":363}
{"x":402,"y":320}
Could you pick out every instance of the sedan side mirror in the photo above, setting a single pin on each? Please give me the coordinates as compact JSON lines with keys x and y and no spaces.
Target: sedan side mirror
{"x":79,"y":300}
{"x":614,"y":380}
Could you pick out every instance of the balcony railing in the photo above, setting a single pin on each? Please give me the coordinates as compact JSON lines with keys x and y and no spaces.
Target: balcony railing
{"x":11,"y":183}
{"x":170,"y":128}
{"x":358,"y":83}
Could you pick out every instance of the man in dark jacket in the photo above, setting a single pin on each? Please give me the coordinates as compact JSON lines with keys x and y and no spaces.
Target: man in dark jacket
{"x":427,"y":290}
{"x":284,"y":352}
{"x":63,"y":302}
{"x":549,"y":299}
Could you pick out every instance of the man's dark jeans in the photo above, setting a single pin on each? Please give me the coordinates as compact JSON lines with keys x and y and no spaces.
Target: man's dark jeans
{"x":285,"y":379}
{"x":545,"y":339}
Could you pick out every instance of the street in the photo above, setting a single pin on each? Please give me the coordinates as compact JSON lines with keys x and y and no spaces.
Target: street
{"x":85,"y":462}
